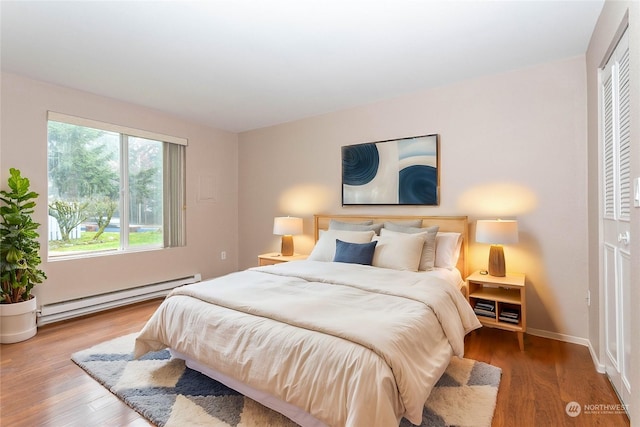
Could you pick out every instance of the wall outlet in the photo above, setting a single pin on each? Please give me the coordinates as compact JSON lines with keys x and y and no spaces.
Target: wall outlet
{"x":223,"y":255}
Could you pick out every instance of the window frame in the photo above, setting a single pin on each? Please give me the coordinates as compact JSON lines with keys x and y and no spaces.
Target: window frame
{"x":174,"y":220}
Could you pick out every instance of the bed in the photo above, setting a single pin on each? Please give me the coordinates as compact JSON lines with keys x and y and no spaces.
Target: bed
{"x":330,"y":341}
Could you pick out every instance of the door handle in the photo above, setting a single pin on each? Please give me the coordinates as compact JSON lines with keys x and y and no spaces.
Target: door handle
{"x":624,"y":238}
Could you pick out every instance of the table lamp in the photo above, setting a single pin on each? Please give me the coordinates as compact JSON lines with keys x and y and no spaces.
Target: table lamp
{"x":287,"y":226}
{"x":497,"y":233}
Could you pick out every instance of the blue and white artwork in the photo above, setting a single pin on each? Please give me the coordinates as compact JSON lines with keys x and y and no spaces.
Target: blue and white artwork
{"x":397,"y":172}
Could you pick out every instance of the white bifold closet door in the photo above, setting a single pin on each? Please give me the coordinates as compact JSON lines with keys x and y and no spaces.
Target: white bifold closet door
{"x":615,"y":155}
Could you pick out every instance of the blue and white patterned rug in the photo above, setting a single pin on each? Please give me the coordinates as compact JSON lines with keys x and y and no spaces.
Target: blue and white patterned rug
{"x":168,"y":394}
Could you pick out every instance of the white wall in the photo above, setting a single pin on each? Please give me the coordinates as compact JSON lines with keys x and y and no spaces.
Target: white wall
{"x":512,"y":145}
{"x":604,"y":35}
{"x":211,"y":227}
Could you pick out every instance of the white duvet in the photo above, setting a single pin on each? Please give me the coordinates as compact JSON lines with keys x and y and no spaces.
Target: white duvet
{"x":352,"y":345}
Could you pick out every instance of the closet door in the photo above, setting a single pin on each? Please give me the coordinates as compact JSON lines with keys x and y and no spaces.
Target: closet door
{"x":616,"y":217}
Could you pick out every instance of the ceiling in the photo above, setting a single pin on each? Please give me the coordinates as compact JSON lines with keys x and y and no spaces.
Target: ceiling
{"x":245,"y":64}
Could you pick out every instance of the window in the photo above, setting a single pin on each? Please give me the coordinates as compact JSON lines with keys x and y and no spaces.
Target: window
{"x":112,"y":188}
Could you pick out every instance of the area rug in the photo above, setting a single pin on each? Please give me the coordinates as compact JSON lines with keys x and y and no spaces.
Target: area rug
{"x":169,"y":394}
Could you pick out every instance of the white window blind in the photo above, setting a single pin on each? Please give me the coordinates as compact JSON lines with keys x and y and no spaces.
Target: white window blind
{"x":174,"y":196}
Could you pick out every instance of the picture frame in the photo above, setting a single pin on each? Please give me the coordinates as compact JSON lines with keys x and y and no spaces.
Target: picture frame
{"x":403,"y":171}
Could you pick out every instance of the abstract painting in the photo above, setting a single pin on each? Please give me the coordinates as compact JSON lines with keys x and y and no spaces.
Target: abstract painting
{"x":395,"y":172}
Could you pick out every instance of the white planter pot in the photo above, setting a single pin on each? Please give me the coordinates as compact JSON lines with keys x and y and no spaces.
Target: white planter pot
{"x":18,"y":321}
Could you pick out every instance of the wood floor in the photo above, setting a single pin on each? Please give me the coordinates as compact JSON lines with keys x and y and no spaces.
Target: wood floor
{"x":41,"y":386}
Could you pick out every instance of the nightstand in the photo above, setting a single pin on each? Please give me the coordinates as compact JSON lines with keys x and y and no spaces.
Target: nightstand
{"x":499,"y":302}
{"x":276,"y":258}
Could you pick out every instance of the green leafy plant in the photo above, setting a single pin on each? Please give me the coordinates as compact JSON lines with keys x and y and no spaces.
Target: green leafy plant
{"x":19,"y":248}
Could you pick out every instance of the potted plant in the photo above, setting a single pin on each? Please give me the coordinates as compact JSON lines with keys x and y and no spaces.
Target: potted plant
{"x":20,"y":258}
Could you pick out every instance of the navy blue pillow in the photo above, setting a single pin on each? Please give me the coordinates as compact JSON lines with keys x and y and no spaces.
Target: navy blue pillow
{"x":354,"y":253}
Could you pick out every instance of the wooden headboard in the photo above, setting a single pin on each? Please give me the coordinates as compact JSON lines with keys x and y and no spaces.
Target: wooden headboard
{"x":458,"y":224}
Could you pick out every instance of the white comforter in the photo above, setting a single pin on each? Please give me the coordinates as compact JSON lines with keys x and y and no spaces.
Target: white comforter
{"x":352,"y":345}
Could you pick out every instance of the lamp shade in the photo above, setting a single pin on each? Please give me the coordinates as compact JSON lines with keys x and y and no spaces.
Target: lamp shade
{"x":497,"y":232}
{"x":287,"y":226}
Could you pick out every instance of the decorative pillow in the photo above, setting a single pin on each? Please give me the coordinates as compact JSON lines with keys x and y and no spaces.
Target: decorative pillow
{"x":403,"y":223}
{"x":335,"y":222}
{"x":428,"y":257}
{"x":325,"y":248}
{"x":448,"y":249}
{"x":351,"y":226}
{"x":354,"y":253}
{"x":399,"y":252}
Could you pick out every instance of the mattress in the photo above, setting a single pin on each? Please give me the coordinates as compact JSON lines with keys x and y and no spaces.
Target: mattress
{"x":346,"y":344}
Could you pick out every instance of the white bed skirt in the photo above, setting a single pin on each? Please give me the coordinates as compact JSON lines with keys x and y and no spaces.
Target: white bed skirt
{"x":290,"y":411}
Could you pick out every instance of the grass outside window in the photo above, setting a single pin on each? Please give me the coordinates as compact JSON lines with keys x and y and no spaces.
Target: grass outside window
{"x":108,"y":241}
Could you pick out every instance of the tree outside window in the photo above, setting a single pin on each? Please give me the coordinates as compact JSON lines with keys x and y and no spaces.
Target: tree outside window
{"x":105,"y":190}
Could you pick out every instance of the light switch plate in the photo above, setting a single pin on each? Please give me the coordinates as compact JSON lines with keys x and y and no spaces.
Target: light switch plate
{"x":636,"y":192}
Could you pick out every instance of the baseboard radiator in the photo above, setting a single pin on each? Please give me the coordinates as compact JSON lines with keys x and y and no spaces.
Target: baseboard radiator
{"x":50,"y":313}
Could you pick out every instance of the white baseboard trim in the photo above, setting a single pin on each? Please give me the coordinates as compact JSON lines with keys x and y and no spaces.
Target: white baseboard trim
{"x":558,"y":337}
{"x":596,"y":361}
{"x":570,"y":339}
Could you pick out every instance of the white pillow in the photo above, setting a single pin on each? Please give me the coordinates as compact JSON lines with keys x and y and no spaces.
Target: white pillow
{"x":399,"y":252}
{"x":428,"y":257}
{"x":325,"y":248}
{"x":448,"y":249}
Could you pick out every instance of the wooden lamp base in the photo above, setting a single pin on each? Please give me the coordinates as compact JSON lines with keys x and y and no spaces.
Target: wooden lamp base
{"x":496,"y":261}
{"x":287,"y":245}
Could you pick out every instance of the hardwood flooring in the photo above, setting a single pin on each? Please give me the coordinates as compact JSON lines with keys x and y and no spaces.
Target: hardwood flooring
{"x":41,"y":386}
{"x":539,"y":382}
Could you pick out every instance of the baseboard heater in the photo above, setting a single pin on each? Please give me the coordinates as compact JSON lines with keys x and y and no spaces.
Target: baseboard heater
{"x":56,"y":312}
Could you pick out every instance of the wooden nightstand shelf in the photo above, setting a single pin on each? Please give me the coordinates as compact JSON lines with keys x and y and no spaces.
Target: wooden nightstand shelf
{"x":276,"y":258}
{"x":499,"y":302}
